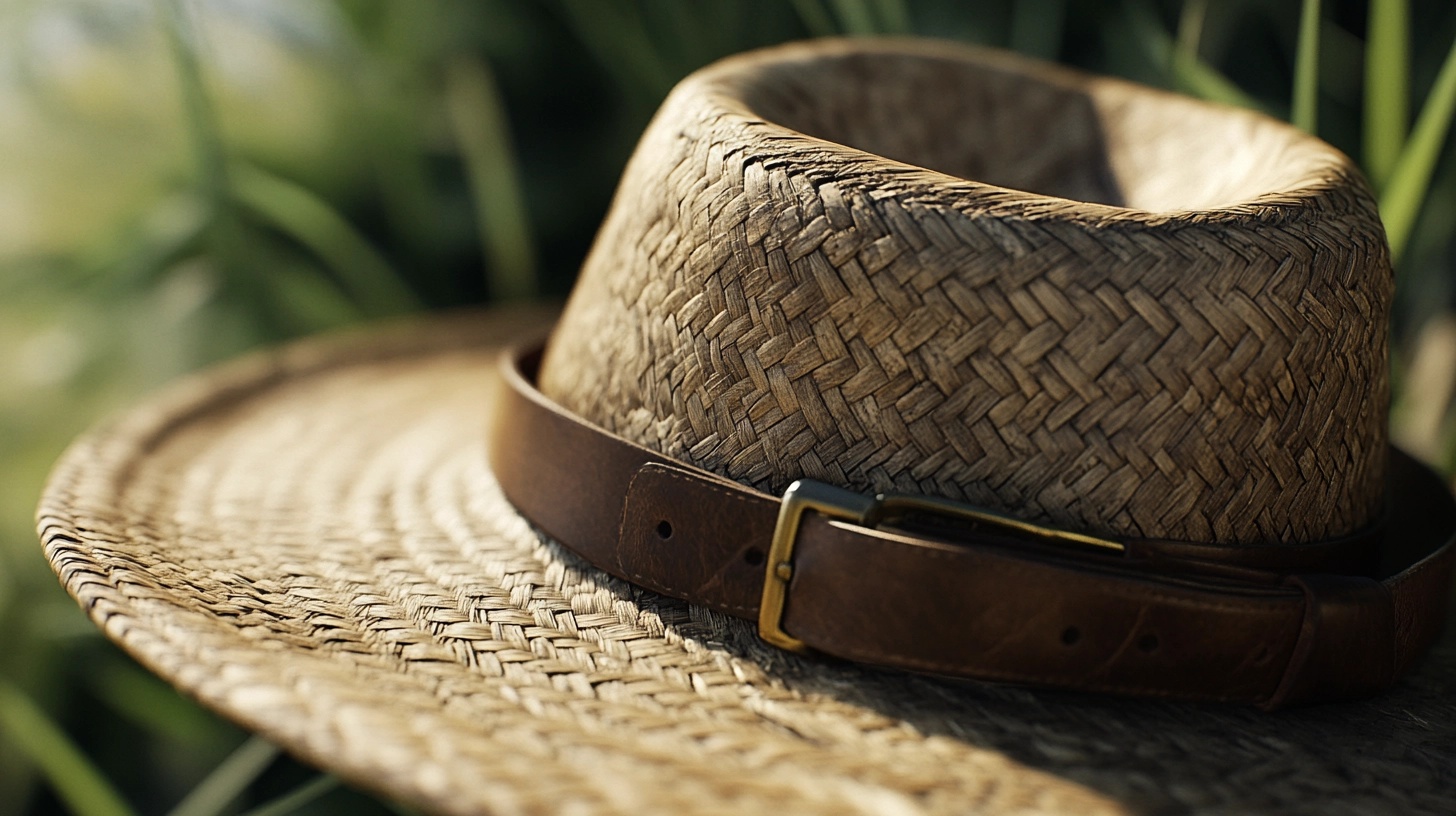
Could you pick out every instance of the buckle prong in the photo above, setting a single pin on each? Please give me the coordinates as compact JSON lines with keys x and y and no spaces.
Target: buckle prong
{"x":839,"y":504}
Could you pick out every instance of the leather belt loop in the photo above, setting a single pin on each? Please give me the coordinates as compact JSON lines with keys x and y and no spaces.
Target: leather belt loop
{"x":672,"y":541}
{"x":1347,"y":643}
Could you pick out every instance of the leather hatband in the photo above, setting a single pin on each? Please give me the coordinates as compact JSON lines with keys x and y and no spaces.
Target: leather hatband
{"x":1175,"y":620}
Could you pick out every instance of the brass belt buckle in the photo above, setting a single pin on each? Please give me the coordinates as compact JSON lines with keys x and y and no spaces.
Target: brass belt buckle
{"x":802,"y":496}
{"x":839,"y":504}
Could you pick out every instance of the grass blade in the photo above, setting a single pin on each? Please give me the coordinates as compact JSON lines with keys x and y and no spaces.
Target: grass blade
{"x":182,"y":39}
{"x":1036,"y":27}
{"x":302,"y":215}
{"x":1400,"y":202}
{"x":1419,"y":419}
{"x":1387,"y":88}
{"x":71,"y":775}
{"x":175,"y":228}
{"x":1202,"y":80}
{"x":215,"y":793}
{"x":478,"y":117}
{"x":618,"y":39}
{"x":894,"y":16}
{"x":140,"y":697}
{"x":1187,"y":72}
{"x":815,"y":18}
{"x":856,"y":17}
{"x":297,"y":798}
{"x":1190,"y":29}
{"x":1305,"y":108}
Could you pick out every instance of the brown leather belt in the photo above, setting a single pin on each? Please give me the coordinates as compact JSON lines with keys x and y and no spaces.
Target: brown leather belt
{"x":988,"y":598}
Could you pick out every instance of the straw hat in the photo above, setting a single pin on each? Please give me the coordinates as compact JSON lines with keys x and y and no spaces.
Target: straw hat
{"x":1144,"y":337}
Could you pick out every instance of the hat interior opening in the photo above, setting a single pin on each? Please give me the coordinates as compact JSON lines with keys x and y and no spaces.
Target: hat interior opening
{"x":1050,"y":133}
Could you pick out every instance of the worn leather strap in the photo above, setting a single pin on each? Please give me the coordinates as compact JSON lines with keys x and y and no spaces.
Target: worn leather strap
{"x":1164,"y":619}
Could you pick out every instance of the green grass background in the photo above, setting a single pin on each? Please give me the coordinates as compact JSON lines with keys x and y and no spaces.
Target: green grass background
{"x":181,"y":180}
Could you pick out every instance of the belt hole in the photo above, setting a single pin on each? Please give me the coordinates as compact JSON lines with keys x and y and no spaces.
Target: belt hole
{"x":664,"y":530}
{"x":1148,"y":643}
{"x":1071,"y":635}
{"x":754,"y":557}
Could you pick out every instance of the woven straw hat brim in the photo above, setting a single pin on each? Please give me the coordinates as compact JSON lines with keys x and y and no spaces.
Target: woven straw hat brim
{"x":310,"y":542}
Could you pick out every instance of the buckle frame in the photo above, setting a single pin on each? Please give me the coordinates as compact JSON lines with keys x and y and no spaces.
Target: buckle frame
{"x":802,"y":496}
{"x":838,"y":504}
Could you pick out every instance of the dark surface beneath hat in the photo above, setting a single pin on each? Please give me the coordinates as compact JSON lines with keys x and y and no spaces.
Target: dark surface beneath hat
{"x":310,"y":543}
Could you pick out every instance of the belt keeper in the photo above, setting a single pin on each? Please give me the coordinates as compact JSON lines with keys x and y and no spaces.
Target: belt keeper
{"x":1346,"y":646}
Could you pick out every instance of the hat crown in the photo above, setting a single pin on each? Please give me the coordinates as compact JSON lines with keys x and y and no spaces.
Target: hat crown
{"x":941,"y":270}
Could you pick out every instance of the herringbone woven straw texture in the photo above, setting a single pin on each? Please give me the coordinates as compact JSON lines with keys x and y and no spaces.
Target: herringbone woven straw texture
{"x":310,"y":541}
{"x":927,"y":268}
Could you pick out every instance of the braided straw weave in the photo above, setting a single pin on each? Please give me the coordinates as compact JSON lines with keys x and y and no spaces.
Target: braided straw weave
{"x":821,"y":262}
{"x":311,"y":543}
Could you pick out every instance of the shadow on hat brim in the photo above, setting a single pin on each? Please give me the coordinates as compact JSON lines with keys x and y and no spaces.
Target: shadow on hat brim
{"x":309,"y":541}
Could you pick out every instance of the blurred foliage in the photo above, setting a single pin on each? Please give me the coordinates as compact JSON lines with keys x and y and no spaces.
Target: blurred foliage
{"x":184,"y":179}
